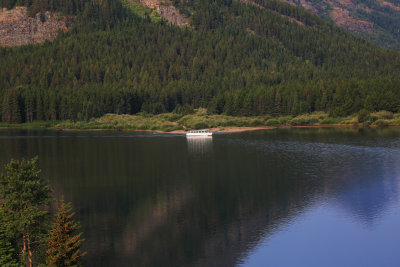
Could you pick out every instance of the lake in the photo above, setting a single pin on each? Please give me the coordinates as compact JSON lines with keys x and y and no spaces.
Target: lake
{"x":283,"y":197}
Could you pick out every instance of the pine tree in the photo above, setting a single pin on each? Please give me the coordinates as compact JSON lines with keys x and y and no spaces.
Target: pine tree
{"x":64,"y":245}
{"x":24,"y":198}
{"x":11,"y":109}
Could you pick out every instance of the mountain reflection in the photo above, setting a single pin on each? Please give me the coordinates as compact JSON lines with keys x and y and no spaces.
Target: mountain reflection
{"x":149,"y":202}
{"x":370,"y":192}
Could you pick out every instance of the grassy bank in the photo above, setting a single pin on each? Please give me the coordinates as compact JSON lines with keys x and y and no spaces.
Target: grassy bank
{"x":162,"y":122}
{"x":33,"y":125}
{"x":200,"y":120}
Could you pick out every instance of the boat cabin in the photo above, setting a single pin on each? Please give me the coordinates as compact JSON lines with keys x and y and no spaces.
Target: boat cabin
{"x":199,"y":133}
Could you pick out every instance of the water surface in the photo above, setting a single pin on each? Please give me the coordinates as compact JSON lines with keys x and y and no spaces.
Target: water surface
{"x":287,"y":197}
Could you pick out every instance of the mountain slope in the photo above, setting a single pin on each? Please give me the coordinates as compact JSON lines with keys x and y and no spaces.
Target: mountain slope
{"x":376,"y":20}
{"x":235,"y":58}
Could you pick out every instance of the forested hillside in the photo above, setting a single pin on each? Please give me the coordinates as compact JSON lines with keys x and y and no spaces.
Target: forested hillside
{"x":266,"y":57}
{"x":376,"y":20}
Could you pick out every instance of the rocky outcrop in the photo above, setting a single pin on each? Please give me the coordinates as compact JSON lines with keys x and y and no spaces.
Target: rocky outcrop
{"x":172,"y":15}
{"x":151,"y":3}
{"x":343,"y":18}
{"x":167,"y":11}
{"x":17,"y":28}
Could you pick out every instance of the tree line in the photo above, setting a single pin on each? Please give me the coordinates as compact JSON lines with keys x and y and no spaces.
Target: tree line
{"x":235,"y":58}
{"x":26,"y":237}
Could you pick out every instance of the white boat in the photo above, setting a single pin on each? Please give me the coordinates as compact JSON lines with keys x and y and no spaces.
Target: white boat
{"x":199,"y":133}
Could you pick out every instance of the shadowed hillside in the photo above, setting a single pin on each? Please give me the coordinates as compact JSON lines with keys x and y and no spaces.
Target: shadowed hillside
{"x":376,"y":20}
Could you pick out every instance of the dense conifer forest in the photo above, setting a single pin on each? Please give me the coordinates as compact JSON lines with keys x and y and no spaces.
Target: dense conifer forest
{"x":235,"y":58}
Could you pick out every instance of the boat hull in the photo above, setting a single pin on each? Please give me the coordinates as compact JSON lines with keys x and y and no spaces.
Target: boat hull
{"x":199,"y":135}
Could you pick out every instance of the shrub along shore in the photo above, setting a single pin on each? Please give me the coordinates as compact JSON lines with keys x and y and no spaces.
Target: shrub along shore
{"x":178,"y":123}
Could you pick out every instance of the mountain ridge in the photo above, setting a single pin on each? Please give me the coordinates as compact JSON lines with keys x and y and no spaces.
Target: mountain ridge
{"x":376,"y":20}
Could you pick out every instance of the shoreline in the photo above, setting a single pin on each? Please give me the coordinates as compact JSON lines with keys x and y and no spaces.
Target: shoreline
{"x":172,"y":123}
{"x":221,"y":130}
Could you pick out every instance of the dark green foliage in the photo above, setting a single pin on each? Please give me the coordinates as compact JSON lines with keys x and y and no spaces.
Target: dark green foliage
{"x":8,"y":249}
{"x":24,"y":198}
{"x":42,"y":17}
{"x":184,"y":110}
{"x":363,"y":115}
{"x":236,"y":59}
{"x":12,"y":106}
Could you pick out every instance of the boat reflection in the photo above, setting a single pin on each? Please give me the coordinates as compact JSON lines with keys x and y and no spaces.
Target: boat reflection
{"x":199,"y":145}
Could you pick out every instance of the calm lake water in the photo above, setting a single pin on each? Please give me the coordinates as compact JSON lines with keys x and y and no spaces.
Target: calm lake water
{"x":287,"y":197}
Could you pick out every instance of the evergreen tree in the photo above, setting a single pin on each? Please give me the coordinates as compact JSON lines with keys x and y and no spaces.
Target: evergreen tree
{"x":64,"y":244}
{"x":11,"y":109}
{"x":25,"y":196}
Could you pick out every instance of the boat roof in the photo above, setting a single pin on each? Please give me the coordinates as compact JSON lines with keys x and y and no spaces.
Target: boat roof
{"x":199,"y":131}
